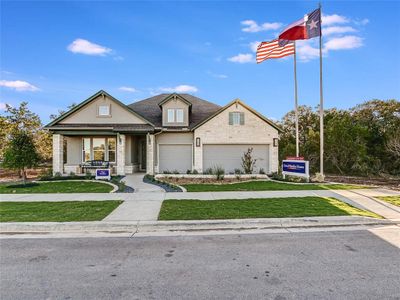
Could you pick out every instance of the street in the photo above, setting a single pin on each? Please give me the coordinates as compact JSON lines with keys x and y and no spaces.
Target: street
{"x":303,"y":265}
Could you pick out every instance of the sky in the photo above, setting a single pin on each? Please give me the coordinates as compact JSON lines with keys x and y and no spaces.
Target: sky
{"x":55,"y":53}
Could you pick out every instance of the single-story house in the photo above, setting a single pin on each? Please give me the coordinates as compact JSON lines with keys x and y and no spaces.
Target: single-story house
{"x":167,"y":132}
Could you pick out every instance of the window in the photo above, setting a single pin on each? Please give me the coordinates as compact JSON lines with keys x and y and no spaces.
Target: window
{"x":86,"y":149}
{"x":104,"y":110}
{"x":171,"y":115}
{"x":112,"y":147}
{"x":99,"y":148}
{"x":179,"y":115}
{"x":236,"y":118}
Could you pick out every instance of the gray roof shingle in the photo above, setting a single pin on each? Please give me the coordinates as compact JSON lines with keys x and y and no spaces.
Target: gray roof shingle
{"x":149,"y":109}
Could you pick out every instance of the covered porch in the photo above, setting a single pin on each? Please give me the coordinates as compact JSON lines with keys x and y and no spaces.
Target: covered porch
{"x":124,"y":152}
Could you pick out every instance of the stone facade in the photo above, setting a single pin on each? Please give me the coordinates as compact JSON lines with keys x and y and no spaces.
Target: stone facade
{"x":58,"y":154}
{"x":150,"y":154}
{"x":254,"y":131}
{"x":121,"y":141}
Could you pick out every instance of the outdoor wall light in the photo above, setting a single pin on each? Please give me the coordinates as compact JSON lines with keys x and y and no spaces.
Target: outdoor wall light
{"x":275,"y":142}
{"x":198,"y":142}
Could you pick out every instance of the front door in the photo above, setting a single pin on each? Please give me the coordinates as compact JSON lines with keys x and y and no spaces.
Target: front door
{"x":143,"y":154}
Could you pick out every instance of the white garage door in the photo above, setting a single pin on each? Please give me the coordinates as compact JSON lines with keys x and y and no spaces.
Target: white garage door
{"x":230,"y":156}
{"x":175,"y":157}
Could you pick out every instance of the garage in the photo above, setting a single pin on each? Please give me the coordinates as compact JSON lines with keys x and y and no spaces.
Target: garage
{"x":230,"y":156}
{"x":174,"y":157}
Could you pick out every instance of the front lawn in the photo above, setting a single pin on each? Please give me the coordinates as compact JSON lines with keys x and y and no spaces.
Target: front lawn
{"x":56,"y":187}
{"x":266,"y":186}
{"x":68,"y":211}
{"x":257,"y":208}
{"x":395,"y":200}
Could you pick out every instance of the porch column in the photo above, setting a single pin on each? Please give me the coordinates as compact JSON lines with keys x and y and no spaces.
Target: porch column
{"x":58,"y":154}
{"x":121,"y":141}
{"x":150,"y":154}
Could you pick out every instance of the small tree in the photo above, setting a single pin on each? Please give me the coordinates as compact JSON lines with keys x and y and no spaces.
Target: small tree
{"x":248,"y":162}
{"x":21,"y":154}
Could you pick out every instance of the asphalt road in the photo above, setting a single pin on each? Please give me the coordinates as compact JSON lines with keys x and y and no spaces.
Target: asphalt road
{"x":319,"y":265}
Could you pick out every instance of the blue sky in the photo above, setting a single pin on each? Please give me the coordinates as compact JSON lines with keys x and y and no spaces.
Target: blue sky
{"x":57,"y":53}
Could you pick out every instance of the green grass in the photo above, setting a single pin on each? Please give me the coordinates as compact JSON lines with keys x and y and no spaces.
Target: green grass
{"x":395,"y":200}
{"x":257,"y":208}
{"x":56,"y":187}
{"x":68,"y":211}
{"x":265,"y":186}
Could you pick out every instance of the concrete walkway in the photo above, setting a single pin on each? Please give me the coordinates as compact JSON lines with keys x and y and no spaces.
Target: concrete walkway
{"x":135,"y":181}
{"x":145,"y":206}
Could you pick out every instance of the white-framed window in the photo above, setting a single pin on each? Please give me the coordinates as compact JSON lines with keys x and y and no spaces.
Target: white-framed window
{"x":171,"y":115}
{"x":104,"y":110}
{"x":99,"y":148}
{"x":236,"y":118}
{"x":179,"y":115}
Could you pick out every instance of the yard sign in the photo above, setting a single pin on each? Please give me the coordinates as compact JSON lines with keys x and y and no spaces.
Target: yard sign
{"x":296,"y":168}
{"x":103,"y":174}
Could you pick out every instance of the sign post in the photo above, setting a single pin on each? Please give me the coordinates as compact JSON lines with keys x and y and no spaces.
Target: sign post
{"x":296,"y":168}
{"x":104,"y":174}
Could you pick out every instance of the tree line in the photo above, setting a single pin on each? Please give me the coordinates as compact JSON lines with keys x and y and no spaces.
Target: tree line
{"x":363,"y":140}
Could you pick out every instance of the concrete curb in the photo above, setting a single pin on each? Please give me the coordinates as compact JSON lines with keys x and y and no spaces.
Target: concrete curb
{"x":188,"y":226}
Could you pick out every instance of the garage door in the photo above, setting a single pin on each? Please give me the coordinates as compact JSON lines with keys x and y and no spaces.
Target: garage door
{"x":230,"y":156}
{"x":175,"y":157}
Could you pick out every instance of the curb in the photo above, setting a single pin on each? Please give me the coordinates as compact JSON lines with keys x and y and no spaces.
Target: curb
{"x":188,"y":226}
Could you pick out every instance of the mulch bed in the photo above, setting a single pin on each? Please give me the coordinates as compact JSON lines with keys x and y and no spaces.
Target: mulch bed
{"x":391,"y":183}
{"x":181,"y":181}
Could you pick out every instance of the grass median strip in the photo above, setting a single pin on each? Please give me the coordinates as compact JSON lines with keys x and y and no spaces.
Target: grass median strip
{"x":68,"y":211}
{"x":257,"y":208}
{"x":266,"y":186}
{"x":56,"y":187}
{"x":395,"y":200}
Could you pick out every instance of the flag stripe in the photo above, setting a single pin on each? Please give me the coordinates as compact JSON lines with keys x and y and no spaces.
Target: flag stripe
{"x":267,"y":50}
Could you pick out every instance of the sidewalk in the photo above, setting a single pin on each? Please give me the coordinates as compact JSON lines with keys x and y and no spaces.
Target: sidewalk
{"x":145,"y":206}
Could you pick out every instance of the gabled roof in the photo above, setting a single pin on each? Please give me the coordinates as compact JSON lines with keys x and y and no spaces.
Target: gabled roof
{"x":245,"y":106}
{"x":90,"y":99}
{"x":149,"y":108}
{"x":174,"y":96}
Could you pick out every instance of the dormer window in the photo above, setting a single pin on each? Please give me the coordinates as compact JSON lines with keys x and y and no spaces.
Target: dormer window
{"x":104,"y":110}
{"x":175,"y":115}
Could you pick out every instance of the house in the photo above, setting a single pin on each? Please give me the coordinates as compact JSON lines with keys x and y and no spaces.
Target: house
{"x":167,"y":132}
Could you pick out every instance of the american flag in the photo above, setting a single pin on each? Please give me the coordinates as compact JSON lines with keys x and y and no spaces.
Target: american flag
{"x":266,"y":50}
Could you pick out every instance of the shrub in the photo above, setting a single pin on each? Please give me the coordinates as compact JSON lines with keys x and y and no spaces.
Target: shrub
{"x":208,"y":171}
{"x":219,"y":172}
{"x":261,"y":171}
{"x":166,"y":172}
{"x":72,"y":174}
{"x":248,"y":162}
{"x":57,"y":175}
{"x":195,"y":172}
{"x":238,"y":171}
{"x":175,"y":172}
{"x":88,"y":175}
{"x":188,"y":171}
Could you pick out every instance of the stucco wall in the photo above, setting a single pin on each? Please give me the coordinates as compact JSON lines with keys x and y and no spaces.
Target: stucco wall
{"x":89,"y":114}
{"x":175,"y":103}
{"x":254,"y":131}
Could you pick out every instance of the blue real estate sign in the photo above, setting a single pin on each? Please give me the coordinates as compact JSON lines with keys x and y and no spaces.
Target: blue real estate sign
{"x":295,"y":167}
{"x":103,"y":174}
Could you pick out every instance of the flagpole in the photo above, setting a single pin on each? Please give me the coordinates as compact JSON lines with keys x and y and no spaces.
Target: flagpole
{"x":321,"y":102}
{"x":295,"y":102}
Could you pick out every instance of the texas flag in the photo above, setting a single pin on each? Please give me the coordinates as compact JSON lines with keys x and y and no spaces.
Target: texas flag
{"x":303,"y":29}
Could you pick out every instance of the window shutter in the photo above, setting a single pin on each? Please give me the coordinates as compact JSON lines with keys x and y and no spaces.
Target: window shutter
{"x":242,"y":118}
{"x":230,"y":118}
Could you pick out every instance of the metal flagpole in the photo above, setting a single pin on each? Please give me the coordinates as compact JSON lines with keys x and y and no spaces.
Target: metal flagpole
{"x":295,"y":103}
{"x":321,"y":101}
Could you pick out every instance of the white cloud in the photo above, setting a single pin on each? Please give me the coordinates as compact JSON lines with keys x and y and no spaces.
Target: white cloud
{"x":242,"y":58}
{"x":345,"y":42}
{"x":363,"y":22}
{"x":128,"y":89}
{"x":337,"y":30}
{"x":85,"y":47}
{"x":183,"y":88}
{"x":19,"y":85}
{"x":306,"y":50}
{"x":254,"y":45}
{"x":252,"y":26}
{"x":2,"y":106}
{"x":333,"y":19}
{"x":220,"y":76}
